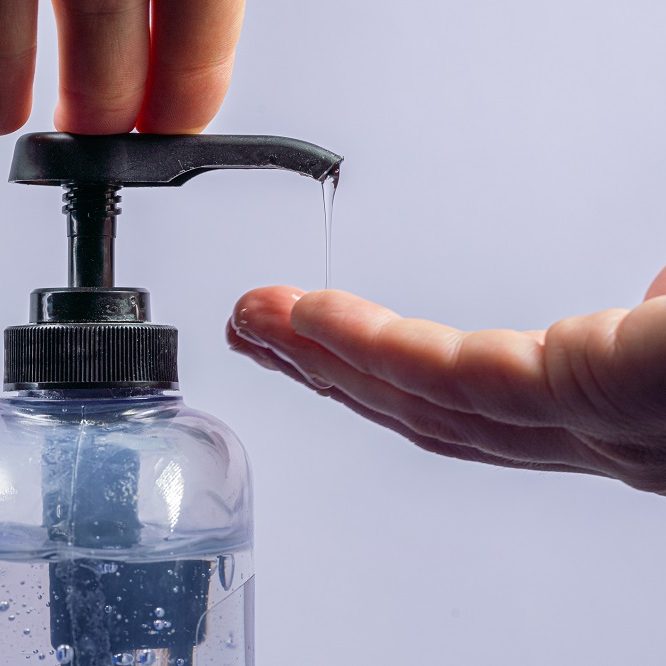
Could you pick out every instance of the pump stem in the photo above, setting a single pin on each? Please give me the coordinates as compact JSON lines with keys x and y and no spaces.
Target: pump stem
{"x":91,"y":211}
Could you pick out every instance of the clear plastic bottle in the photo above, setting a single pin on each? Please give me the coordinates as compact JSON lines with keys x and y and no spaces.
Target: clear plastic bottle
{"x":125,"y":516}
{"x":125,"y":532}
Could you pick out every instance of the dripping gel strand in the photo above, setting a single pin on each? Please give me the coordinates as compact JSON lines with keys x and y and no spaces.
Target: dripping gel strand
{"x":328,"y":187}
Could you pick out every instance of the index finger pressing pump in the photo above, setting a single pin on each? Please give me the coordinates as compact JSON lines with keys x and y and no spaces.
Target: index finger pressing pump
{"x":125,"y":516}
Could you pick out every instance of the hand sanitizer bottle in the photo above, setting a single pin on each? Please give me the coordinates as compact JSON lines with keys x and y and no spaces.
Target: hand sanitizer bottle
{"x":125,"y":515}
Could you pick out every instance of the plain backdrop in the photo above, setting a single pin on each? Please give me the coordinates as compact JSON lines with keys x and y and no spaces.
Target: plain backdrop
{"x":505,"y":167}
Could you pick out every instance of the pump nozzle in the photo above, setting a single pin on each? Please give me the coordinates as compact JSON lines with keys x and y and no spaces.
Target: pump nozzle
{"x":94,"y":168}
{"x":150,"y":160}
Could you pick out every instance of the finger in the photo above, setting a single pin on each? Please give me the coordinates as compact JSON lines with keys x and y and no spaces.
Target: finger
{"x":268,"y":359}
{"x":658,"y":286}
{"x":581,"y":365}
{"x":104,"y":48}
{"x":192,"y":54}
{"x":638,"y":355}
{"x":271,"y":326}
{"x":18,"y":47}
{"x":608,"y":369}
{"x":499,"y":374}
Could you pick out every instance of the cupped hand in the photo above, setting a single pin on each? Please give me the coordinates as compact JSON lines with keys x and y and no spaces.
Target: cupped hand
{"x":587,"y":395}
{"x":120,"y":66}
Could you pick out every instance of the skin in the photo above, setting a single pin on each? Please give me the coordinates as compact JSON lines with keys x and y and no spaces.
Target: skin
{"x":587,"y":395}
{"x":122,"y":68}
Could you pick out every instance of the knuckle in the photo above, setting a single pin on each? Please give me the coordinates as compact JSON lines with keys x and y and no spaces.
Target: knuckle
{"x":102,"y":7}
{"x":219,"y":66}
{"x":10,"y":55}
{"x":110,"y":100}
{"x":562,"y":333}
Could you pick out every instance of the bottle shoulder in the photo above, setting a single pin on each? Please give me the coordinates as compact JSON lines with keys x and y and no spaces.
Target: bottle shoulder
{"x":180,"y":474}
{"x":133,"y":417}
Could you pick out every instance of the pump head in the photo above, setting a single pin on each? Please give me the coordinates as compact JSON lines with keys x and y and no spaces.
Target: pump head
{"x":93,"y":334}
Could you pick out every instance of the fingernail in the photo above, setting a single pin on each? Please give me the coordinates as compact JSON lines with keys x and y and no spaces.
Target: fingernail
{"x":239,"y":323}
{"x":239,"y":318}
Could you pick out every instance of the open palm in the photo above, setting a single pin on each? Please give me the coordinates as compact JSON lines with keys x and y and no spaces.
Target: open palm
{"x":587,"y":395}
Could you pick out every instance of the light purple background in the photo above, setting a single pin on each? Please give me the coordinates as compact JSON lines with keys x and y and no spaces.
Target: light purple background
{"x":505,"y":167}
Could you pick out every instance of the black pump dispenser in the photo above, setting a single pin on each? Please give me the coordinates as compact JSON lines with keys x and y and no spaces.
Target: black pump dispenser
{"x":93,"y":334}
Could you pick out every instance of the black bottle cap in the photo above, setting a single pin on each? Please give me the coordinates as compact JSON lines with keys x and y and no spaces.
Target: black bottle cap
{"x":51,"y":356}
{"x":93,"y":334}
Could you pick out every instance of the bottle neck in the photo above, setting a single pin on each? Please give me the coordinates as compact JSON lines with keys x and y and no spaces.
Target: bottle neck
{"x":97,"y":394}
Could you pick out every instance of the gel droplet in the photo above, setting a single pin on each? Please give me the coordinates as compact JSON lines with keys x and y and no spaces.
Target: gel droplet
{"x":64,"y":654}
{"x":145,"y":657}
{"x":328,"y":188}
{"x":159,"y":612}
{"x":26,"y":631}
{"x":159,"y":624}
{"x":4,"y":605}
{"x":123,"y":659}
{"x":12,"y":617}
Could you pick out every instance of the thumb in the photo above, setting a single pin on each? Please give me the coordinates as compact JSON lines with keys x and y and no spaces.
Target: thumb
{"x":658,"y":286}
